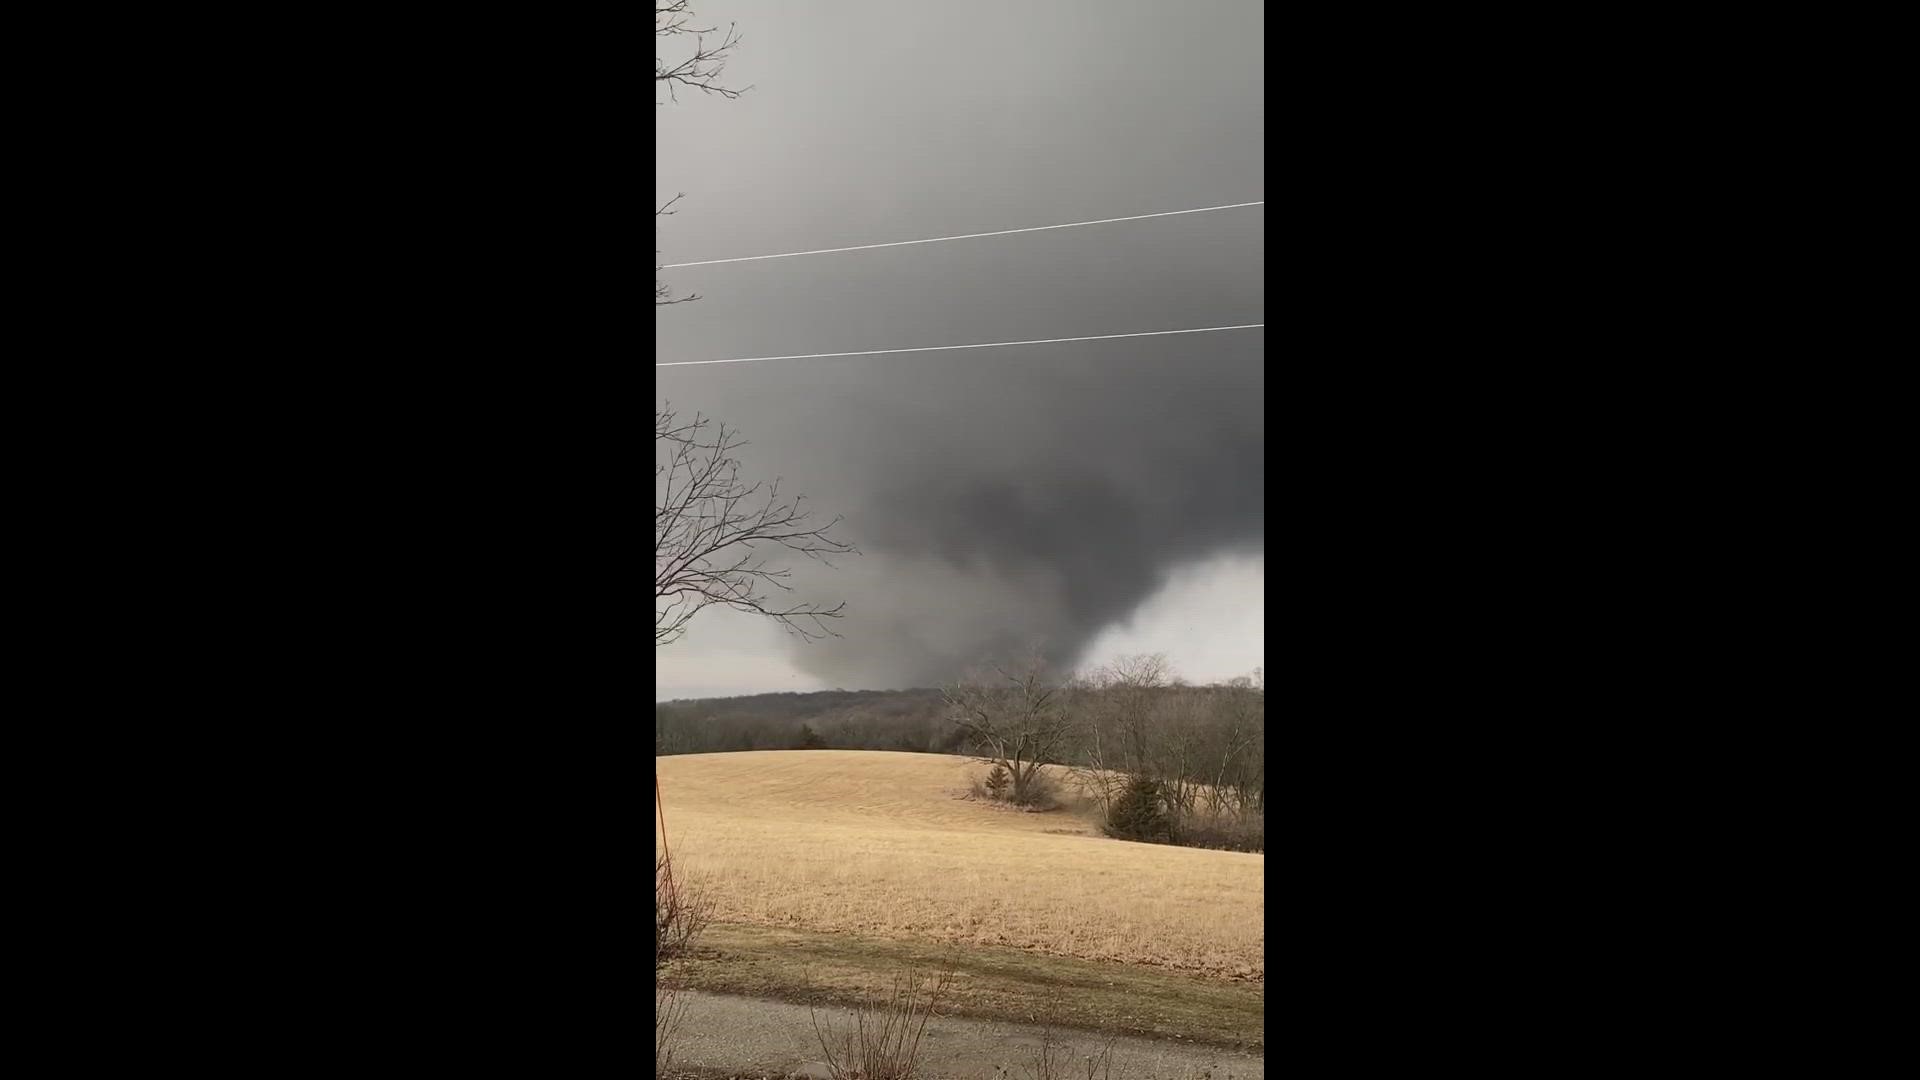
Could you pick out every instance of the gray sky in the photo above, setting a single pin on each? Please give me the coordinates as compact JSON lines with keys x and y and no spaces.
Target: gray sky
{"x":1096,"y":497}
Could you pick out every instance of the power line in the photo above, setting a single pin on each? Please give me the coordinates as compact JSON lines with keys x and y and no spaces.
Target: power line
{"x":983,"y":345}
{"x":963,"y":236}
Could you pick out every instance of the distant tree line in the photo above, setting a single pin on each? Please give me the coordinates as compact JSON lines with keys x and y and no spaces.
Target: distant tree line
{"x":906,"y":720}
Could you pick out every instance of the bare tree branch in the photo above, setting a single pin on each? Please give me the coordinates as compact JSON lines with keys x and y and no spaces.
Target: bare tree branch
{"x":698,"y":71}
{"x":711,"y":527}
{"x":661,"y":293}
{"x":701,"y":71}
{"x":711,"y":530}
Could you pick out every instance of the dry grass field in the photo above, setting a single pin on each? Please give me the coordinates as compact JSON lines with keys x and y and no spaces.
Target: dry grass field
{"x":877,"y":844}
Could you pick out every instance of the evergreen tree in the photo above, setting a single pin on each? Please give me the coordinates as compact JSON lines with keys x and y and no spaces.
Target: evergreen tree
{"x":997,"y":782}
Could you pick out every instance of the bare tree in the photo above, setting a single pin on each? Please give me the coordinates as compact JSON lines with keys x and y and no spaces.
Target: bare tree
{"x":1181,"y":724}
{"x":1099,"y":774}
{"x":1248,"y":721}
{"x":701,"y":70}
{"x":1241,"y":719}
{"x":1132,"y":684}
{"x":711,"y":531}
{"x":1015,"y":716}
{"x":1117,"y":730}
{"x":661,"y":293}
{"x":1202,"y":745}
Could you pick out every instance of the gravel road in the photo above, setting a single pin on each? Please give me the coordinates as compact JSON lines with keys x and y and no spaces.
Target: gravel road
{"x":777,"y":1038}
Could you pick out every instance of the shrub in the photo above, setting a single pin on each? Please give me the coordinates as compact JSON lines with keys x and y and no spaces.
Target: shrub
{"x":808,"y":739}
{"x":1041,"y":792}
{"x":680,"y":912}
{"x":884,"y":1043}
{"x":1222,"y":831}
{"x":669,"y":1012}
{"x":1052,"y":1059}
{"x":1139,"y":813}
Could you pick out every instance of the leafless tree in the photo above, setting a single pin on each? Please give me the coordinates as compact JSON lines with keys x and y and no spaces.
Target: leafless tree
{"x":1203,"y":745}
{"x":1099,"y":774}
{"x":662,"y":294}
{"x":1117,"y":732}
{"x":1240,"y":720}
{"x":1132,"y":685}
{"x":1247,"y":774}
{"x":1016,"y":716}
{"x":1182,"y":722}
{"x":701,"y":70}
{"x":712,"y":531}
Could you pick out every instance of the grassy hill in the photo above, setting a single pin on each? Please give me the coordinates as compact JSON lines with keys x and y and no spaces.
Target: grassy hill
{"x":884,"y":846}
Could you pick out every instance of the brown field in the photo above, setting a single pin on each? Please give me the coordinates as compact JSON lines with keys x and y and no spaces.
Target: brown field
{"x":876,"y":844}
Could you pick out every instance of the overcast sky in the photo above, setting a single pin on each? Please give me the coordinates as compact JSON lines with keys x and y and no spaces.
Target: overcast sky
{"x":1092,"y":497}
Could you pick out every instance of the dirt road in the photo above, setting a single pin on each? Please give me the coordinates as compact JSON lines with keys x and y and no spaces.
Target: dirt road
{"x":777,"y":1038}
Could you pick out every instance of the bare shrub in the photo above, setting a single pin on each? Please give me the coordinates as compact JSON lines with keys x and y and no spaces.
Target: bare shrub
{"x":1223,"y":830}
{"x":1041,"y":793}
{"x":1053,"y":1058}
{"x":669,"y":1010}
{"x":680,"y":913}
{"x":1097,"y":786}
{"x":1100,"y":1066}
{"x":884,"y":1043}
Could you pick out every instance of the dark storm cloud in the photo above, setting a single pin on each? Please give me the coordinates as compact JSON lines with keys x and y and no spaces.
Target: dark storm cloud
{"x":1001,"y":496}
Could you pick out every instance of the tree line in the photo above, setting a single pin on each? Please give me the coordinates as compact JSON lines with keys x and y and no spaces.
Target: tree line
{"x":1159,"y":758}
{"x":905,"y":720}
{"x":1162,"y":760}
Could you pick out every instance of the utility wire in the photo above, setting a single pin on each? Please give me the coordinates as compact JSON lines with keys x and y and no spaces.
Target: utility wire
{"x":964,"y":236}
{"x":942,"y":348}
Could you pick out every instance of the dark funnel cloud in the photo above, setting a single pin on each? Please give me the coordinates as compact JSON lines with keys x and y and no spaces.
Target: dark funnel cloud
{"x":1001,"y":497}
